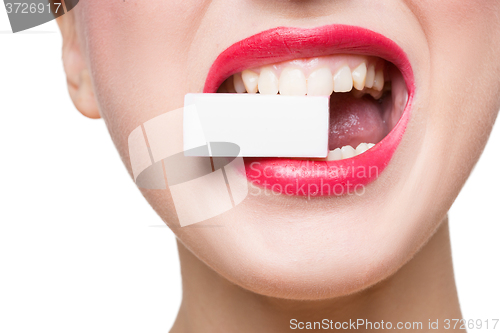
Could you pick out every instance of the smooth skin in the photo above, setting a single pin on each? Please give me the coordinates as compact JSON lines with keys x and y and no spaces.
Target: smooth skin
{"x":381,"y":256}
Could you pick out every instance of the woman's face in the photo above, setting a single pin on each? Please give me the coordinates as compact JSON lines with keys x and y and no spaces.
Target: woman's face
{"x":144,"y":57}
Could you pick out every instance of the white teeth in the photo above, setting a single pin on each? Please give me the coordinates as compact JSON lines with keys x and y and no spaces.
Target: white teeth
{"x":342,"y":80}
{"x":320,"y":83}
{"x":348,"y":151}
{"x":292,"y":82}
{"x":250,"y":79}
{"x":370,"y":76}
{"x":268,"y":82}
{"x":334,"y":155}
{"x":239,"y":86}
{"x":362,"y":80}
{"x":359,"y":76}
{"x":361,"y":148}
{"x":378,"y":84}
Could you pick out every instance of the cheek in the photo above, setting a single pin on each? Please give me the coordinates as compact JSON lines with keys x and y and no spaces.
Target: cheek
{"x":464,"y":42}
{"x":464,"y":38}
{"x":459,"y":28}
{"x":136,"y":52}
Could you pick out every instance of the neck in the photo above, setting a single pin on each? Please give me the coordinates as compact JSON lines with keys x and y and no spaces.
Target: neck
{"x":422,"y":289}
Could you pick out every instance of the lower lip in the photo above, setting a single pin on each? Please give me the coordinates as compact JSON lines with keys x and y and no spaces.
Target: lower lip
{"x":326,"y":178}
{"x":308,"y":177}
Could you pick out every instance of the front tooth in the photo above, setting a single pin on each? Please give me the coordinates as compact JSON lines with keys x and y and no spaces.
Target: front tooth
{"x":370,"y":76}
{"x":268,"y":82}
{"x":292,"y":82}
{"x":359,"y":76}
{"x":342,"y":80}
{"x":378,"y":83}
{"x":320,"y":83}
{"x":348,"y":152}
{"x":370,"y":145}
{"x":250,"y":80}
{"x":361,"y":148}
{"x":239,"y":86}
{"x":334,"y":155}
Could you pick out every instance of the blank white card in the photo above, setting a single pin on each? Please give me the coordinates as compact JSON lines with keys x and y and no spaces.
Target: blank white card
{"x":261,"y":125}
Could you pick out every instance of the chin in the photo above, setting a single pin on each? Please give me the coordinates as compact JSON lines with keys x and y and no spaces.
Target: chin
{"x":295,"y":248}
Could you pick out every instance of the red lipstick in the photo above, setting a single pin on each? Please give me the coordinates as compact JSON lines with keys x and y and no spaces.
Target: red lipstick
{"x":307,"y":177}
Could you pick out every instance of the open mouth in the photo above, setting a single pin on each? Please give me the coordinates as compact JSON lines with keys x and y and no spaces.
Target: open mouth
{"x":370,"y":84}
{"x":367,"y":95}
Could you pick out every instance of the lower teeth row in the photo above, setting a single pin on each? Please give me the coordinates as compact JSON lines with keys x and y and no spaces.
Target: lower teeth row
{"x":348,"y":151}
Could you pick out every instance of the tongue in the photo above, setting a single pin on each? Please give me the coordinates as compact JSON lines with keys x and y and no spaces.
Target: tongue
{"x":355,"y":120}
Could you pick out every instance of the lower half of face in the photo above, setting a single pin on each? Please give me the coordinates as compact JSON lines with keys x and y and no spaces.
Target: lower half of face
{"x":413,"y":89}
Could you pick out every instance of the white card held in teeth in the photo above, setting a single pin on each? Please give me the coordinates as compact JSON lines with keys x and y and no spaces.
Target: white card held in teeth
{"x":261,"y":125}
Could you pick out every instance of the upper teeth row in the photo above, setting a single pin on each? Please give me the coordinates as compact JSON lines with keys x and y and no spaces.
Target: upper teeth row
{"x":321,"y":82}
{"x":348,"y":151}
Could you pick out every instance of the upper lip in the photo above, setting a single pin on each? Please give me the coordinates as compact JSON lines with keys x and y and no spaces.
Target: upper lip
{"x":286,"y":43}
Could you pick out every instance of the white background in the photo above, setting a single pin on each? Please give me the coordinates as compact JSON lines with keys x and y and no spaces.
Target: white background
{"x":80,"y":248}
